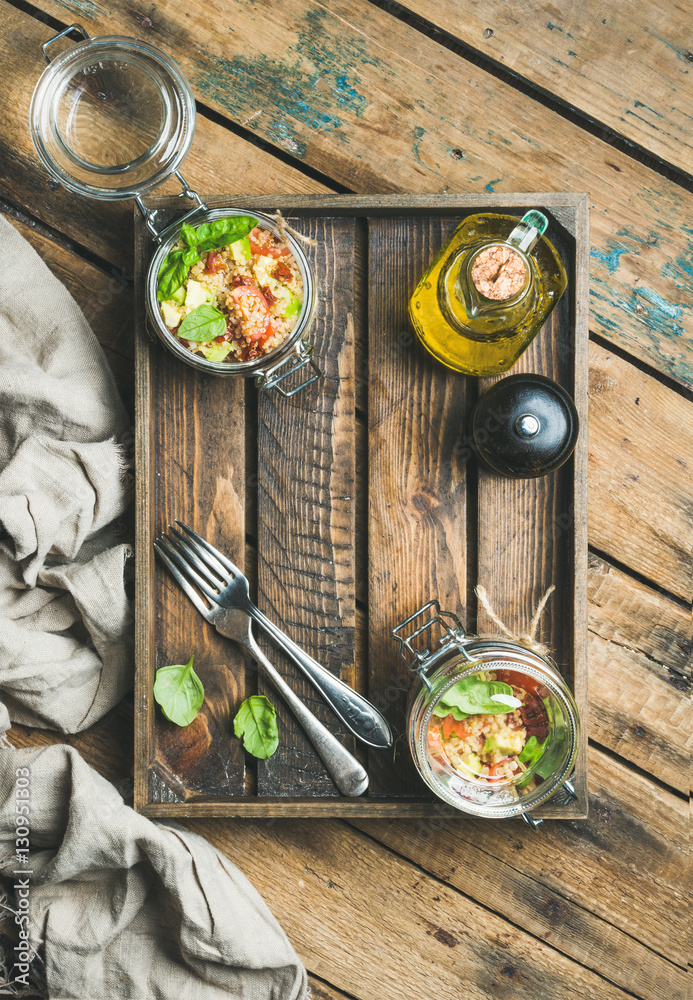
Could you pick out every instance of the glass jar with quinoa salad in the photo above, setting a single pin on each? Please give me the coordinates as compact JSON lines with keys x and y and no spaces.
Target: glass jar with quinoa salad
{"x":241,"y":295}
{"x":493,"y":727}
{"x":234,"y":293}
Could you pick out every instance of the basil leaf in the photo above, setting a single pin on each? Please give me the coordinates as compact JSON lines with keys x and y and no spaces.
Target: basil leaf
{"x":179,"y":691}
{"x":531,"y":751}
{"x":203,"y":324}
{"x":222,"y":232}
{"x":442,"y":711}
{"x":190,"y":256}
{"x":473,"y":696}
{"x":188,"y":234}
{"x":256,"y":722}
{"x":172,"y":274}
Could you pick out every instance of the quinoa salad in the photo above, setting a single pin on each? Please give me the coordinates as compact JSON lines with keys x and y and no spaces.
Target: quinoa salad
{"x":230,"y":290}
{"x":492,"y":728}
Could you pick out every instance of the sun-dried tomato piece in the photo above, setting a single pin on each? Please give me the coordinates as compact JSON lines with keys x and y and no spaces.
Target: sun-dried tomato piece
{"x":282,"y":272}
{"x":240,"y":279}
{"x":215,"y":263}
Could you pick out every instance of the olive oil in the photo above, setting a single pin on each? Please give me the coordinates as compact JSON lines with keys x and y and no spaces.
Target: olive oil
{"x":488,"y":292}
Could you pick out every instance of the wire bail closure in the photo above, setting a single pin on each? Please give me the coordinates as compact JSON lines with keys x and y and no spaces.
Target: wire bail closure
{"x":419,"y":662}
{"x":150,"y":214}
{"x":294,"y":362}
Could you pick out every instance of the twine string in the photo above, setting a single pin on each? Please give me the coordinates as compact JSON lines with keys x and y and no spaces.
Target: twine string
{"x":529,"y":637}
{"x":284,"y":228}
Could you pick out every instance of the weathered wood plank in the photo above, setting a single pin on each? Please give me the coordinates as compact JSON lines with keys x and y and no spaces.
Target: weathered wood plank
{"x":374,"y":104}
{"x":199,"y":439}
{"x":625,"y":65}
{"x":306,"y":456}
{"x":640,"y":462}
{"x":320,"y":990}
{"x":604,"y":891}
{"x":632,"y":615}
{"x":640,"y":667}
{"x":220,"y":159}
{"x":397,"y":927}
{"x":640,"y":714}
{"x":417,"y":478}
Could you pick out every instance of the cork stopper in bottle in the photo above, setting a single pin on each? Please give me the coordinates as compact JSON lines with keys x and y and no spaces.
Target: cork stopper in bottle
{"x":498,"y":272}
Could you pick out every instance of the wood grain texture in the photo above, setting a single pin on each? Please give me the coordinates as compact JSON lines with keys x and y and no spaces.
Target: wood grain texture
{"x":631,"y":689}
{"x":417,"y":486}
{"x":641,"y":459}
{"x":399,"y":929}
{"x":605,"y":892}
{"x":640,"y":675}
{"x":632,"y":615}
{"x":201,"y":480}
{"x":305,"y":477}
{"x":626,"y":65}
{"x":384,"y":108}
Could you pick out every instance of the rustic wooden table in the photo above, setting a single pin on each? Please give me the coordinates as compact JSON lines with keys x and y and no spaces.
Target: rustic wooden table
{"x":301,"y":97}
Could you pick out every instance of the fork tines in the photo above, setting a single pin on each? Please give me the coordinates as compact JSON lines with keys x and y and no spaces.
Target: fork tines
{"x":162,"y":549}
{"x":190,"y":558}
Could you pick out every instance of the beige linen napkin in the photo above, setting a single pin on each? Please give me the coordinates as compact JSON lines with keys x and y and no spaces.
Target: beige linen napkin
{"x":65,"y":621}
{"x":125,"y":909}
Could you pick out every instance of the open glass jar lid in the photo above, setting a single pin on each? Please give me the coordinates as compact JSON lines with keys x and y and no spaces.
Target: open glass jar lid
{"x":111,"y":117}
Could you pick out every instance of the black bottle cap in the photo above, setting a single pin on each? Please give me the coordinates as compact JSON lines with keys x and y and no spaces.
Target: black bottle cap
{"x":525,"y":426}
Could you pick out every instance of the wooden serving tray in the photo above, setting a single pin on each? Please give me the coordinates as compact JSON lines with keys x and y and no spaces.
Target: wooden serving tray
{"x":349,"y":506}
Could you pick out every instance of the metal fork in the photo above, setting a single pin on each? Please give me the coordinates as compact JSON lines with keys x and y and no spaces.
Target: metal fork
{"x":346,"y":772}
{"x":224,"y":584}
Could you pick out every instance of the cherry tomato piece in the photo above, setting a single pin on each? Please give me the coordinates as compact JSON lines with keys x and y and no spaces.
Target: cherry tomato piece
{"x":452,"y":725}
{"x":253,"y":308}
{"x":262,"y":245}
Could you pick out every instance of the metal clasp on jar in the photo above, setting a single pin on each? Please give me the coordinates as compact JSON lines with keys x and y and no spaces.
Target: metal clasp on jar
{"x":562,"y":796}
{"x":421,"y":662}
{"x":302,"y":356}
{"x":151,"y":214}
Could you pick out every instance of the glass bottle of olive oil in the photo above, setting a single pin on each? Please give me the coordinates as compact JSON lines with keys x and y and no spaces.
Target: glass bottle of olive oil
{"x":488,"y":292}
